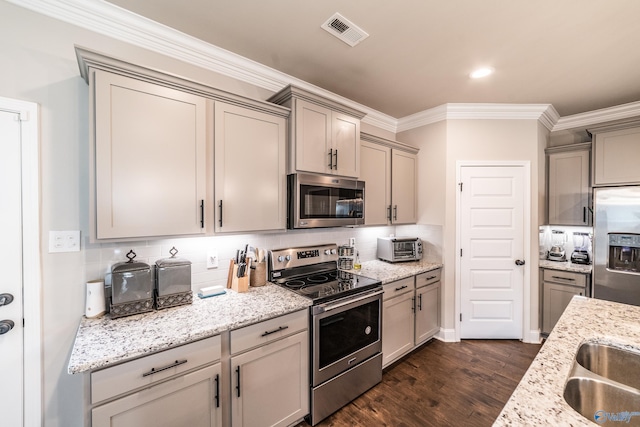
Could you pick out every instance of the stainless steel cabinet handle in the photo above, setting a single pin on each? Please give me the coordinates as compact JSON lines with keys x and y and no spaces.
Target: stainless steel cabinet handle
{"x":173,"y":365}
{"x":389,"y":213}
{"x":335,"y":166}
{"x":395,"y":212}
{"x":281,"y":328}
{"x":330,"y":159}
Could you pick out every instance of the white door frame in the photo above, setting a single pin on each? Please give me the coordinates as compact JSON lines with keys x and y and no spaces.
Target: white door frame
{"x":526,"y":297}
{"x":31,"y":265}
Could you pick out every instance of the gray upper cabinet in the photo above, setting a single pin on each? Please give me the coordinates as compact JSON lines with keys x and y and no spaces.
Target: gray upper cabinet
{"x":568,"y":185}
{"x":150,"y":146}
{"x":390,"y":172}
{"x":324,"y":135}
{"x":152,"y":155}
{"x":616,"y":154}
{"x":250,"y":180}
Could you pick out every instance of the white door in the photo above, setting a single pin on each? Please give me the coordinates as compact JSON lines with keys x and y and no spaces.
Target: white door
{"x":491,"y":242}
{"x":11,"y":341}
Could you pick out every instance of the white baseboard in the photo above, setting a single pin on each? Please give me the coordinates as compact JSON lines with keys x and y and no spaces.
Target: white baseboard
{"x":446,"y":335}
{"x":533,"y":337}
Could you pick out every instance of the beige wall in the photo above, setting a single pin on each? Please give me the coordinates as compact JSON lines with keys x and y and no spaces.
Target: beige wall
{"x":443,"y":144}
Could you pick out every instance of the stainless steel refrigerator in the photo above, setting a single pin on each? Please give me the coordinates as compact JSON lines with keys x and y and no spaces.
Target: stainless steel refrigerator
{"x":616,"y":264}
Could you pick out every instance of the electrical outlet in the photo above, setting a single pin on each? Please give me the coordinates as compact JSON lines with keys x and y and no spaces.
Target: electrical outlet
{"x":64,"y":241}
{"x":212,"y":259}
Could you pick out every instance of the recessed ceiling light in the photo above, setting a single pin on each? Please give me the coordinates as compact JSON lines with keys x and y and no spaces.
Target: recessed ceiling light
{"x":481,"y":72}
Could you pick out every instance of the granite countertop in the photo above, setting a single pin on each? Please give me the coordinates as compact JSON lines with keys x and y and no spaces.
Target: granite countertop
{"x":565,"y":266}
{"x":103,"y":341}
{"x":389,"y":272}
{"x":538,"y":399}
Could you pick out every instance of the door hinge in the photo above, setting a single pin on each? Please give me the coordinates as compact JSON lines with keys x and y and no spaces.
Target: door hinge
{"x":460,"y":184}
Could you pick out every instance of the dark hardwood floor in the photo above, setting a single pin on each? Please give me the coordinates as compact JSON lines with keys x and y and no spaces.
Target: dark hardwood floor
{"x":442,"y":384}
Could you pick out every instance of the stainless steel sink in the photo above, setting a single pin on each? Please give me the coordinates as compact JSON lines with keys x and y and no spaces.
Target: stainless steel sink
{"x":600,"y":401}
{"x":604,"y":384}
{"x":610,"y":362}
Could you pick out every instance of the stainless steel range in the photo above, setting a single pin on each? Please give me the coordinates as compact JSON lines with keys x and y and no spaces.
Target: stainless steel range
{"x":345,"y":324}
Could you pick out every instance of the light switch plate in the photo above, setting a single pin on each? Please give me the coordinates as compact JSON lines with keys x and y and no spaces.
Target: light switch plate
{"x":64,"y":241}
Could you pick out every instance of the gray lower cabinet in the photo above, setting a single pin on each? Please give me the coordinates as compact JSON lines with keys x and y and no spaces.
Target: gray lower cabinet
{"x":179,"y":386}
{"x":410,"y":314}
{"x":270,"y":372}
{"x":558,"y":288}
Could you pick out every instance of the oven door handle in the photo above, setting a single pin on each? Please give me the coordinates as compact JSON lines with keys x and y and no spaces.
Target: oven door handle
{"x":323,"y":308}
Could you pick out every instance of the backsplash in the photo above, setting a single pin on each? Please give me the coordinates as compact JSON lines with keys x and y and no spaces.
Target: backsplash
{"x":100,"y":257}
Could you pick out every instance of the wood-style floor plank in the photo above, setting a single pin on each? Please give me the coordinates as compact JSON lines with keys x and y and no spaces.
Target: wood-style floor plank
{"x":441,"y":384}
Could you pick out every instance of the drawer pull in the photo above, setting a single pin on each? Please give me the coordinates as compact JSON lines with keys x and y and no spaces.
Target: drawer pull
{"x":564,"y":278}
{"x":173,"y":365}
{"x":431,"y":277}
{"x":401,"y":288}
{"x":281,"y":328}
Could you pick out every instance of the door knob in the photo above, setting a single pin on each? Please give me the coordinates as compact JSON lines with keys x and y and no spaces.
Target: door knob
{"x":5,"y":299}
{"x":519,"y":262}
{"x":6,"y":326}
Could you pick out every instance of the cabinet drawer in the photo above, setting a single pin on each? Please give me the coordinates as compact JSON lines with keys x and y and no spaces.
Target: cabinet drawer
{"x":142,"y":372}
{"x":261,"y":333}
{"x":399,"y":287}
{"x":565,"y":277}
{"x":428,"y":278}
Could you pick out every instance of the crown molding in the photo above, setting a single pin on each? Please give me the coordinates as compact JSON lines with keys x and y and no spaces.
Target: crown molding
{"x":545,"y":113}
{"x":597,"y":117}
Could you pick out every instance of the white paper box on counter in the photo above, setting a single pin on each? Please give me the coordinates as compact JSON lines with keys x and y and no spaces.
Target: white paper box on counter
{"x":95,"y":304}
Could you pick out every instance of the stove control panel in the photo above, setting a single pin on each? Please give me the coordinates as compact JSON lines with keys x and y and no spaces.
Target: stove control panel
{"x":287,"y":258}
{"x":310,"y":253}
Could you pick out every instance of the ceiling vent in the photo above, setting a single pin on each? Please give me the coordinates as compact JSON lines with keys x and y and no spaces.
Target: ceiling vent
{"x":345,"y":30}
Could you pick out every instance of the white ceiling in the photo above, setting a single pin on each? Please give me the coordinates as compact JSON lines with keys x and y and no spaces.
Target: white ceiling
{"x":578,"y":55}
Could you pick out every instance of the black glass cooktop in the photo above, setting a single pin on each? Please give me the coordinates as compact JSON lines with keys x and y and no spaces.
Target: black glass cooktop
{"x":329,"y":285}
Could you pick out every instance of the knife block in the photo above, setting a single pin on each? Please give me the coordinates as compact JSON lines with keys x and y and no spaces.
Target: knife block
{"x":239,"y":284}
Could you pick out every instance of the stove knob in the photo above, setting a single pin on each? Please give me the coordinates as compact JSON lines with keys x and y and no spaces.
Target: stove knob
{"x":280,"y":258}
{"x":288,"y":257}
{"x":333,"y":252}
{"x":327,"y":252}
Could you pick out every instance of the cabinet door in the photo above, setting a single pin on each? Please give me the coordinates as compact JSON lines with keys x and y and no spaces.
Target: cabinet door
{"x":250,"y":176}
{"x":189,"y":400}
{"x":375,"y":171}
{"x":345,"y":132}
{"x":397,"y":327}
{"x":556,"y":297}
{"x":404,"y":181}
{"x":270,"y":384}
{"x":313,"y":137}
{"x":616,"y":157}
{"x":569,"y":188}
{"x":150,"y":146}
{"x":427,"y":312}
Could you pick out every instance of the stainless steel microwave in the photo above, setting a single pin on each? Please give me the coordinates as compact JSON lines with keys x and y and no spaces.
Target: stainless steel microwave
{"x":397,"y":249}
{"x":324,"y":201}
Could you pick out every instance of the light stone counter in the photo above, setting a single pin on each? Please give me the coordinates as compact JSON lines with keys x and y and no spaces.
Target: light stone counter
{"x":389,"y":272}
{"x":565,"y":266}
{"x":103,"y":341}
{"x":538,"y":399}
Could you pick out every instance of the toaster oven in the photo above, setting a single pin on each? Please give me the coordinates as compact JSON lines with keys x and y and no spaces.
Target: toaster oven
{"x":397,"y":249}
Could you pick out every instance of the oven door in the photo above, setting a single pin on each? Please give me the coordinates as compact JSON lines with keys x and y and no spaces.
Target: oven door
{"x":345,"y":333}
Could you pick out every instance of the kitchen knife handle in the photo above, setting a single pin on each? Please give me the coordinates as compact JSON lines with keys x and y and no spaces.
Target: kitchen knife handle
{"x":202,"y":213}
{"x":330,"y":158}
{"x":217,"y":380}
{"x":335,"y":153}
{"x":238,"y":381}
{"x":220,"y":218}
